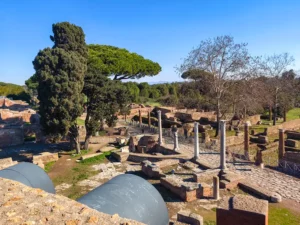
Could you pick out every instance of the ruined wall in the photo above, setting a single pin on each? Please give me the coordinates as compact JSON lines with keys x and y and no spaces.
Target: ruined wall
{"x":292,"y":157}
{"x":11,"y":136}
{"x":235,"y":140}
{"x":289,"y":125}
{"x":21,"y":204}
{"x":253,"y":119}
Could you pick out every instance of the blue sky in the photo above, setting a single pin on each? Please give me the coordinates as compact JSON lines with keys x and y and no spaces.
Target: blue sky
{"x":161,"y":30}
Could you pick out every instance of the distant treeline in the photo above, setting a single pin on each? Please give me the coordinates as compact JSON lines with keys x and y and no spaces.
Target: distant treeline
{"x":166,"y":94}
{"x":14,"y":91}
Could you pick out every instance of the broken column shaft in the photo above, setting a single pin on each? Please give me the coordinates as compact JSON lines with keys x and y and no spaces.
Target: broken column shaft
{"x":246,"y":141}
{"x":223,"y":145}
{"x":159,"y":127}
{"x":196,"y":148}
{"x":176,"y":147}
{"x":216,"y":187}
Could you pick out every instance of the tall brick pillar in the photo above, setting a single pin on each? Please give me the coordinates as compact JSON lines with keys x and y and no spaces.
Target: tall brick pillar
{"x":149,"y":120}
{"x":140,"y":118}
{"x":281,"y":144}
{"x":246,"y":141}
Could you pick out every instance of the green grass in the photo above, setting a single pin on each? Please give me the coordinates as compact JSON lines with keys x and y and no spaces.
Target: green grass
{"x":282,"y":216}
{"x":153,"y":103}
{"x":49,"y":166}
{"x":96,"y":159}
{"x":80,"y":122}
{"x":82,"y":152}
{"x":293,"y":114}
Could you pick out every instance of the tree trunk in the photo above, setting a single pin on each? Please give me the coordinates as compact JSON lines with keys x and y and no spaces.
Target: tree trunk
{"x":77,"y":145}
{"x":284,"y":115}
{"x":88,"y":132}
{"x":270,"y":113}
{"x":218,"y":118}
{"x":87,"y":141}
{"x":74,"y":138}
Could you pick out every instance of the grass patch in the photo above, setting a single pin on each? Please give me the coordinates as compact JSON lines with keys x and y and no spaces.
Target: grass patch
{"x":153,"y":103}
{"x":80,"y":122}
{"x":96,"y":159}
{"x":75,"y":192}
{"x":279,"y":215}
{"x":293,"y":114}
{"x":49,"y":166}
{"x":82,"y":152}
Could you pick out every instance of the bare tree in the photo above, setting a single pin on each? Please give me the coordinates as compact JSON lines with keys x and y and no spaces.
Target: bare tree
{"x":273,"y":66}
{"x":224,"y":59}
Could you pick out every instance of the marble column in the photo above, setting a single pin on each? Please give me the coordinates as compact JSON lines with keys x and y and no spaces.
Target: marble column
{"x":216,"y":190}
{"x":159,"y":128}
{"x":246,"y":141}
{"x":176,"y":146}
{"x":223,"y":145}
{"x":196,"y":140}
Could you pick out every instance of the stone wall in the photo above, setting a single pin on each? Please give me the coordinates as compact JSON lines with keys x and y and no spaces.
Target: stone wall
{"x":253,"y":119}
{"x":242,"y":209}
{"x":235,"y":140}
{"x":21,"y":204}
{"x":292,"y":157}
{"x":289,"y":125}
{"x":11,"y":136}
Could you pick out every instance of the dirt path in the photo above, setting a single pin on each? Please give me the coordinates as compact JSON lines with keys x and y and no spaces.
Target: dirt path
{"x":64,"y":163}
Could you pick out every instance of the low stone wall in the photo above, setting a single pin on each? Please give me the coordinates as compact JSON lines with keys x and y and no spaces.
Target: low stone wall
{"x":242,"y":209}
{"x":292,"y":135}
{"x":289,"y":125}
{"x":187,"y":217}
{"x":165,"y":151}
{"x":44,"y":158}
{"x":25,"y":205}
{"x":187,"y":191}
{"x":235,"y":140}
{"x":11,"y":136}
{"x":292,"y":157}
{"x":151,"y":170}
{"x":253,"y":119}
{"x":7,"y":162}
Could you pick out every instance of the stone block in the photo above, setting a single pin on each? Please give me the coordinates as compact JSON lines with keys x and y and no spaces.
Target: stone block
{"x":45,"y":157}
{"x":90,"y":156}
{"x":260,"y":192}
{"x":292,"y":143}
{"x":242,"y":209}
{"x":185,"y":216}
{"x":120,"y":156}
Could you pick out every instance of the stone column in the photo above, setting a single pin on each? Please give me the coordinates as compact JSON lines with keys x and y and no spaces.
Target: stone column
{"x":140,"y":118}
{"x":125,"y":117}
{"x":246,"y":141}
{"x":176,"y":146}
{"x":196,"y":142}
{"x":281,"y":144}
{"x":223,"y":145}
{"x":216,"y":188}
{"x":159,"y":128}
{"x":149,"y":119}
